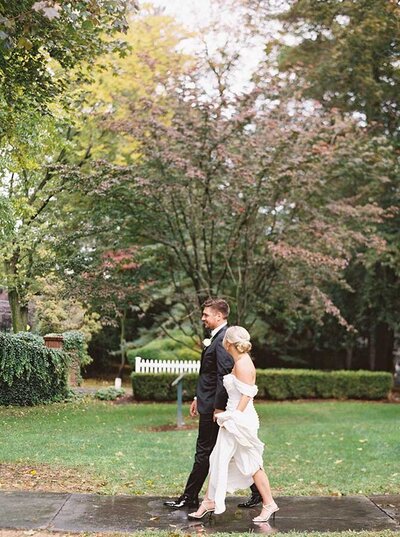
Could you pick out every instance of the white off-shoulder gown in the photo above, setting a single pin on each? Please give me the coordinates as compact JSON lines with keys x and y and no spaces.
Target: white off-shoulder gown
{"x":237,"y":454}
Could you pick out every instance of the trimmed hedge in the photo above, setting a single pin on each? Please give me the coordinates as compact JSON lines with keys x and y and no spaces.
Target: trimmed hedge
{"x":30,"y":373}
{"x":157,"y":386}
{"x":278,"y":385}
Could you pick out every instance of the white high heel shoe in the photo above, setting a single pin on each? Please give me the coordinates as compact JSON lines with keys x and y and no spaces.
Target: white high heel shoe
{"x":271,"y":509}
{"x":204,"y":510}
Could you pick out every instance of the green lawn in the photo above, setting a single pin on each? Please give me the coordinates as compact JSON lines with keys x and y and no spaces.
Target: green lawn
{"x":311,"y":447}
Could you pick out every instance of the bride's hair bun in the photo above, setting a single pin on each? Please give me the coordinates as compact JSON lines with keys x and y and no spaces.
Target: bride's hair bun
{"x":243,"y":346}
{"x":239,"y":337}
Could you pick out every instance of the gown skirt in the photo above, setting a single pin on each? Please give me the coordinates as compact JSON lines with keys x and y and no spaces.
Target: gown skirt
{"x":238,"y":453}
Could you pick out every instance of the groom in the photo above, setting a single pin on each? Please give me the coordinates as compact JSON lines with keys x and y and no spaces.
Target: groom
{"x":211,"y":398}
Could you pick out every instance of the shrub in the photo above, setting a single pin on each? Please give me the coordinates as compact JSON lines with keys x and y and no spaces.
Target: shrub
{"x":277,"y":384}
{"x":157,"y":386}
{"x":74,"y":341}
{"x":30,"y":337}
{"x":166,"y":349}
{"x":109,"y":394}
{"x":30,"y":373}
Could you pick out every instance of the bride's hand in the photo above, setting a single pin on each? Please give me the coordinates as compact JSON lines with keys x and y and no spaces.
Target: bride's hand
{"x":216,"y":412}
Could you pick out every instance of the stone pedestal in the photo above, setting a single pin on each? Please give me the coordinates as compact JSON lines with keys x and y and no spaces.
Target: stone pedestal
{"x":53,"y":341}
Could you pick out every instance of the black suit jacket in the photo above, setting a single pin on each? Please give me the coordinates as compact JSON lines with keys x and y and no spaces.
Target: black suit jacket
{"x":215,"y":363}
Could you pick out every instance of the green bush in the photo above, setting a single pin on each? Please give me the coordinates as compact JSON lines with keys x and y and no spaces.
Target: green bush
{"x":74,"y":344}
{"x":30,"y":373}
{"x":277,"y":384}
{"x":109,"y":394}
{"x":280,"y":384}
{"x":157,"y":386}
{"x":30,"y":337}
{"x":74,"y":341}
{"x":166,"y":349}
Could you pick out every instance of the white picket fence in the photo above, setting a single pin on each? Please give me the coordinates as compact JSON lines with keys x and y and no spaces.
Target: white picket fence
{"x":166,"y":366}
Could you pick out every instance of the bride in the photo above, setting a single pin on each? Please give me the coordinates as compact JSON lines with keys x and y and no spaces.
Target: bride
{"x":236,"y":461}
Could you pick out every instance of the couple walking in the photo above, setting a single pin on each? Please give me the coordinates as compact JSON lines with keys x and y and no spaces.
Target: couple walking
{"x":228,"y":449}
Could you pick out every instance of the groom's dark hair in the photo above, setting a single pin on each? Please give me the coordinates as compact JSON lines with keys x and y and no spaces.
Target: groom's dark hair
{"x":218,"y":304}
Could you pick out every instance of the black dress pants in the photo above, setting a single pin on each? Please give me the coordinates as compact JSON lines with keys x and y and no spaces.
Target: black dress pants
{"x":206,"y":439}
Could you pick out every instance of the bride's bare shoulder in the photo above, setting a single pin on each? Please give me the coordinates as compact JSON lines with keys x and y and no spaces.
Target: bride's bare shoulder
{"x":245,"y":370}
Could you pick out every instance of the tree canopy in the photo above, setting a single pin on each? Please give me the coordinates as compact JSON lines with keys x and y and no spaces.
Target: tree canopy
{"x":136,"y":179}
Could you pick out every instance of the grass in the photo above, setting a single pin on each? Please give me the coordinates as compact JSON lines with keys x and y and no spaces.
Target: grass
{"x":311,"y":447}
{"x":106,"y":383}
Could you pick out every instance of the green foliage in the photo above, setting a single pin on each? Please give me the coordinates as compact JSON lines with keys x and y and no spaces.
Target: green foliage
{"x":157,"y":386}
{"x":277,"y":384}
{"x":275,"y":252}
{"x":167,"y":349}
{"x":75,"y":342}
{"x":30,"y":337}
{"x":280,"y":384}
{"x":348,"y":54}
{"x":109,"y":394}
{"x":7,"y":220}
{"x":30,"y":373}
{"x":344,"y":56}
{"x":55,"y":311}
{"x":42,"y":41}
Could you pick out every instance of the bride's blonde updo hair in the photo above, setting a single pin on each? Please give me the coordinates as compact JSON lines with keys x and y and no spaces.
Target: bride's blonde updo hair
{"x":239,"y":337}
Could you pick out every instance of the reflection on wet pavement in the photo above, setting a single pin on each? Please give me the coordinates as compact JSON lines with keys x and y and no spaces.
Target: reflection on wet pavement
{"x":91,"y":512}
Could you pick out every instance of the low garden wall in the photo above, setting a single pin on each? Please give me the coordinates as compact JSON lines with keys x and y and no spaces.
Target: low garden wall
{"x":278,"y":385}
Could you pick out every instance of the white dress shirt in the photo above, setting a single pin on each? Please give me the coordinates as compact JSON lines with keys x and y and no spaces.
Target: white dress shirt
{"x":216,"y":330}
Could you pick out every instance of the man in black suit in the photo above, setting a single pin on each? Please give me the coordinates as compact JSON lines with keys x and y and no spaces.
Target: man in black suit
{"x":211,"y":398}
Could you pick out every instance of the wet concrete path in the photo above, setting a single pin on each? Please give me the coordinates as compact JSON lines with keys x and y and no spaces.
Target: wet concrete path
{"x":95,"y":513}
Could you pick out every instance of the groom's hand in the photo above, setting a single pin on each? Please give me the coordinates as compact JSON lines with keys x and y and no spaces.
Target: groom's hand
{"x":193,"y":408}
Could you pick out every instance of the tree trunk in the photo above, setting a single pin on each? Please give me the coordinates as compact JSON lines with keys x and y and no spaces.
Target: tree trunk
{"x":122,"y":343}
{"x":385,"y":345}
{"x":19,"y":312}
{"x":349,"y":357}
{"x":372,"y":348}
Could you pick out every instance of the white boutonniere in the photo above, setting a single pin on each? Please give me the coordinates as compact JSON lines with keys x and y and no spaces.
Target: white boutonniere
{"x":206,"y":342}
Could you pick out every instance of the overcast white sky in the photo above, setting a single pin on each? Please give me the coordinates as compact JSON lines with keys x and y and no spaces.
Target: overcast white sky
{"x":195,"y":14}
{"x":192,"y":13}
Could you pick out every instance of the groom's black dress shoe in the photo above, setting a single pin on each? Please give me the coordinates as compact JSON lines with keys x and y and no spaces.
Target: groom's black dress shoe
{"x":253,"y":501}
{"x":182,"y":501}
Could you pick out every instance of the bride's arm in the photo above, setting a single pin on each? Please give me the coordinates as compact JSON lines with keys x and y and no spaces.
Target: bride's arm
{"x":246,"y":375}
{"x":244,"y":401}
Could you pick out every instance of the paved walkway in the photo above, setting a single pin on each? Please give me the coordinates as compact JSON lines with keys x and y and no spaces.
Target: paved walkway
{"x":95,"y":513}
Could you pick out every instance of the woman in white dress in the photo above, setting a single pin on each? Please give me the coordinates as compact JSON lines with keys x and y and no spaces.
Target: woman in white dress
{"x":236,"y":461}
